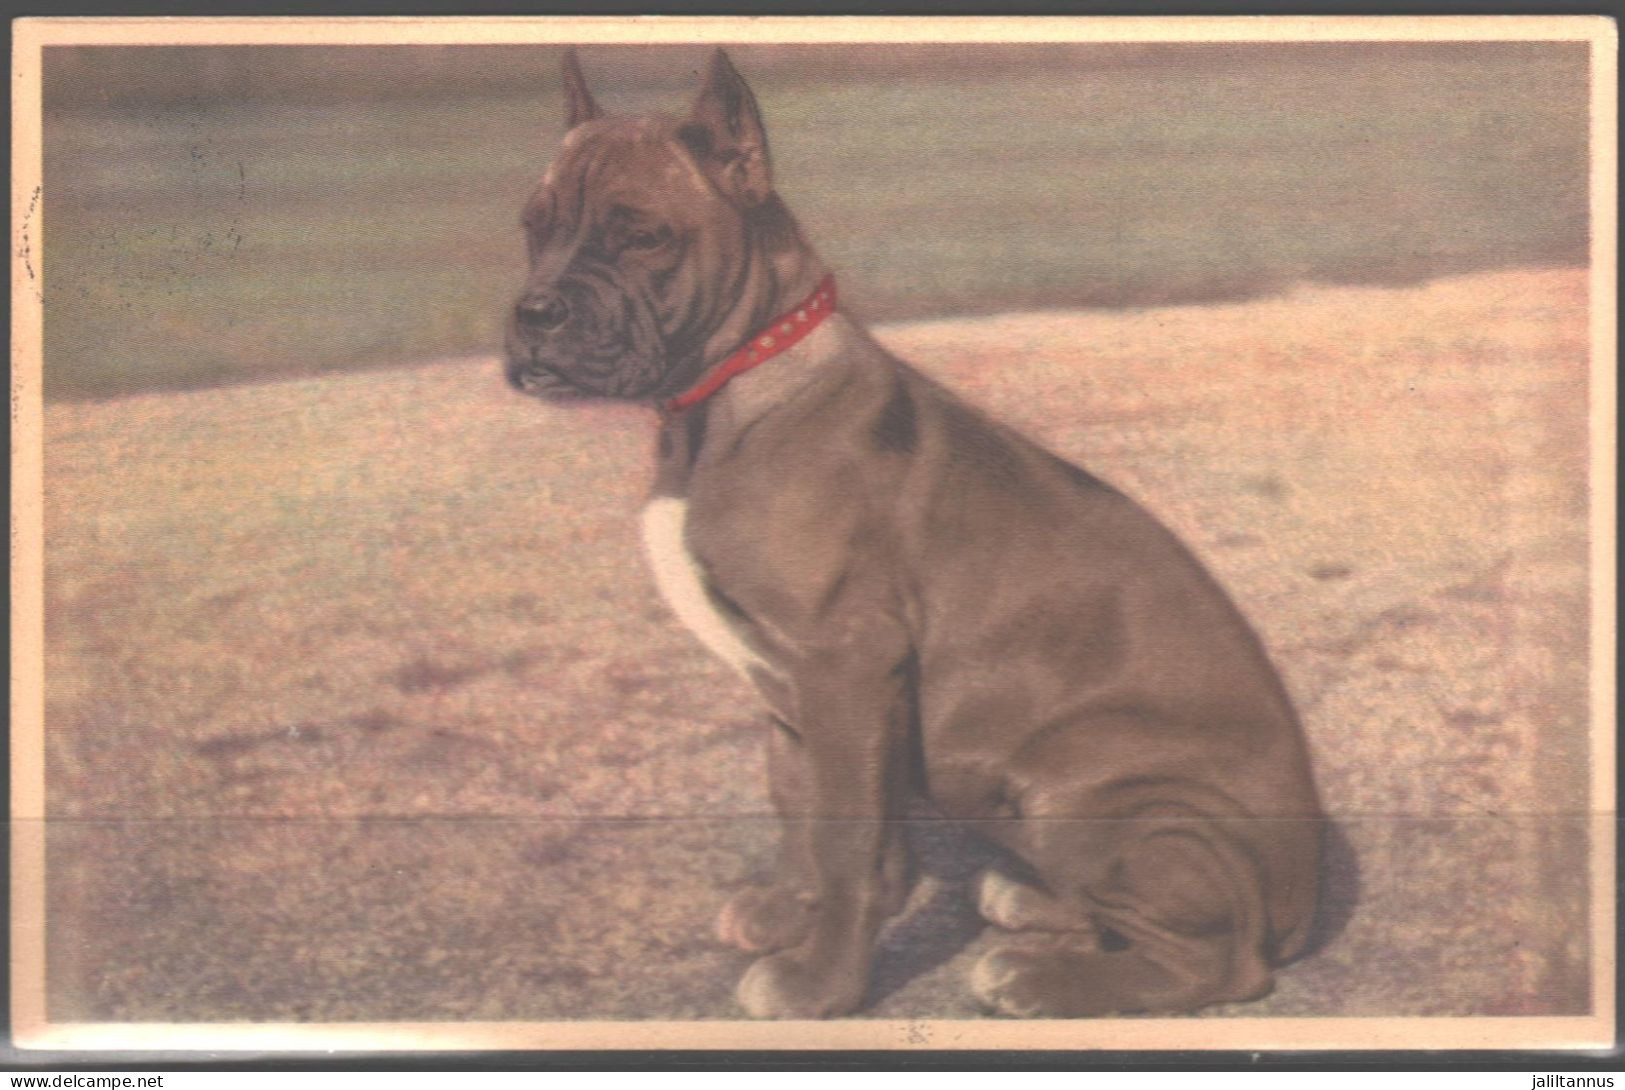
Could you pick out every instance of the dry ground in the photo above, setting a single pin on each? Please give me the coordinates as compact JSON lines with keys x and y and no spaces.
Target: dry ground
{"x":360,"y":705}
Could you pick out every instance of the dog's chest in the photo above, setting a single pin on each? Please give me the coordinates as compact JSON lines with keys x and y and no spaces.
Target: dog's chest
{"x":682,"y":582}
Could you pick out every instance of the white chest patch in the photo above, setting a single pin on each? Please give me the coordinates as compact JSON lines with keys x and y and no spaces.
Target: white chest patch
{"x":681,"y":582}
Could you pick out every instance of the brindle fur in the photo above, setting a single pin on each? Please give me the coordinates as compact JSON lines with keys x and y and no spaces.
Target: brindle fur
{"x":939,"y":606}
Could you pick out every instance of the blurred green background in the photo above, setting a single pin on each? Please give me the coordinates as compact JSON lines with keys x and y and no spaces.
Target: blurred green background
{"x":230,"y":214}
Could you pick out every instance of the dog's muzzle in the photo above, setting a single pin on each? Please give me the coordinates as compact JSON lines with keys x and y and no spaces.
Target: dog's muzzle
{"x":583,"y":338}
{"x":534,"y":328}
{"x":530,"y":374}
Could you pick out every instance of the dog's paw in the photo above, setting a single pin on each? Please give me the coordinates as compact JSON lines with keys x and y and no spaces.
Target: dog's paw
{"x":1041,"y":977}
{"x":782,"y":986}
{"x":766,"y":918}
{"x":1016,"y":906}
{"x":1064,"y":976}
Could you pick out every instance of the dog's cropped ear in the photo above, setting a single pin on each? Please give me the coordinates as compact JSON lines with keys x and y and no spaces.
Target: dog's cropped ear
{"x":725,"y":135}
{"x":578,"y":103}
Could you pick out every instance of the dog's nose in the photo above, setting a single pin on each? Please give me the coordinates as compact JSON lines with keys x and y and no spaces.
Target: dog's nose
{"x":543,"y":312}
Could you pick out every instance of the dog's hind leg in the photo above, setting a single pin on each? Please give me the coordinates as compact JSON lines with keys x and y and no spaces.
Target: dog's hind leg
{"x":1180,"y":908}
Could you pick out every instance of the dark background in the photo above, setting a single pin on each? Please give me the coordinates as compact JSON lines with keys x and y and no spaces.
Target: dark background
{"x":235,"y":213}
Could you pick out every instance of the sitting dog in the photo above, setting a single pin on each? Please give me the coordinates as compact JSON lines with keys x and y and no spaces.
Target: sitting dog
{"x":926,"y":601}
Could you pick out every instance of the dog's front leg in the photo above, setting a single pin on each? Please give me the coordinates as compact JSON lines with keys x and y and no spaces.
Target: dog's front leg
{"x":852,"y":726}
{"x":762,"y":919}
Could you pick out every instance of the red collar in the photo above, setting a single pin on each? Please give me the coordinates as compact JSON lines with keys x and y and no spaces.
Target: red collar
{"x":781,"y":333}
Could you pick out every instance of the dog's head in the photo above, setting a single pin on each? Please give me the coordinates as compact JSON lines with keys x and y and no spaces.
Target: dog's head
{"x":643,"y":236}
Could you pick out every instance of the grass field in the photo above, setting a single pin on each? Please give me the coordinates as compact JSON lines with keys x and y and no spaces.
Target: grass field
{"x":360,"y":704}
{"x":237,"y":216}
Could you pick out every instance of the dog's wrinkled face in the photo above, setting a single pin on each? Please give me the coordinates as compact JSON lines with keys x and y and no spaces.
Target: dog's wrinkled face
{"x":635,"y":242}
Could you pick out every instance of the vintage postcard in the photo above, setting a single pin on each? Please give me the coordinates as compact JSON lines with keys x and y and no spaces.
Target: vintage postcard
{"x":571,"y":533}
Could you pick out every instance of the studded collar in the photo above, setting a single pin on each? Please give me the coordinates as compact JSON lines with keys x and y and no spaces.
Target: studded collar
{"x":781,"y":333}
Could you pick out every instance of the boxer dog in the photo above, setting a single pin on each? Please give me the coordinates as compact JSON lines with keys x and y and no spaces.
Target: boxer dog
{"x":926,"y":601}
